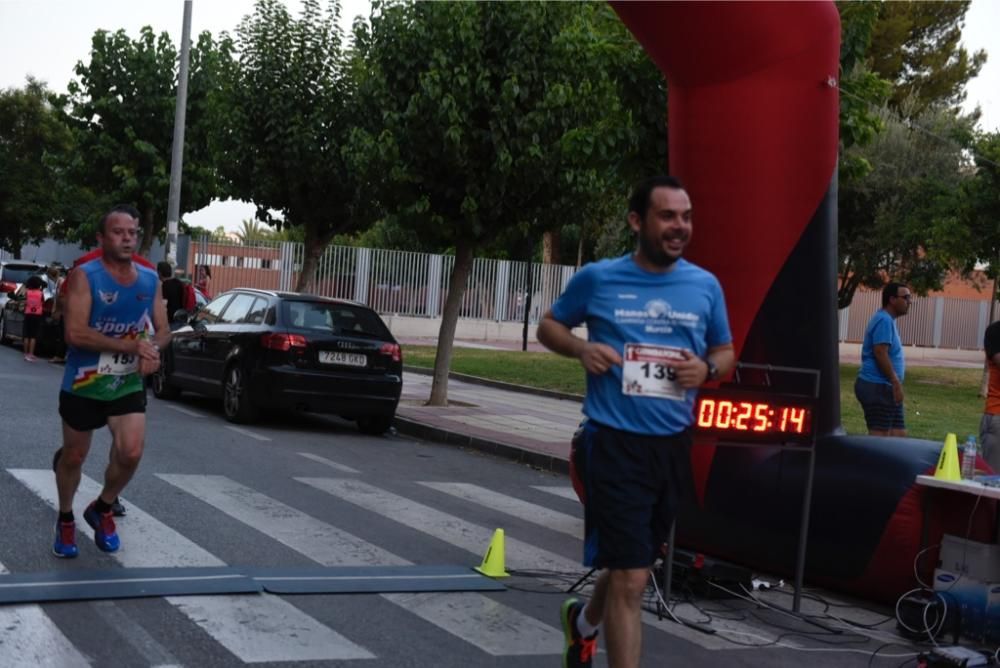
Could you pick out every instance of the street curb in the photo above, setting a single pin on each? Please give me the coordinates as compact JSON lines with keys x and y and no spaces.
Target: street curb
{"x":498,"y":384}
{"x":513,"y":452}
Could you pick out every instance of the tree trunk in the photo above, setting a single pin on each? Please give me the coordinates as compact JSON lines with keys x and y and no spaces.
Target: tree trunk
{"x":449,"y":319}
{"x":314,"y":247}
{"x":579,"y":251}
{"x":550,"y":247}
{"x":146,"y":226}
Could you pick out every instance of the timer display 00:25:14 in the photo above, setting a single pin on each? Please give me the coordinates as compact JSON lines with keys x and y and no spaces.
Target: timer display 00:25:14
{"x":751,"y":416}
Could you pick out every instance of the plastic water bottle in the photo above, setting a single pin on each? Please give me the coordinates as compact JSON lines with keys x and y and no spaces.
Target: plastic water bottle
{"x":969,"y":458}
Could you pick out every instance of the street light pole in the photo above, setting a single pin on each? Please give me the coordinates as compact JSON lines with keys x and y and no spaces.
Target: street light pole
{"x":177,"y":154}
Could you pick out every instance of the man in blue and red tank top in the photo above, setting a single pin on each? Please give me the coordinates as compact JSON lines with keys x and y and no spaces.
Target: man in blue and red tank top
{"x":116,"y":324}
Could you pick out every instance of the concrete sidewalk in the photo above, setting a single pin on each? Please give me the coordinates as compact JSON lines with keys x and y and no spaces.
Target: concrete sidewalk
{"x":529,"y":427}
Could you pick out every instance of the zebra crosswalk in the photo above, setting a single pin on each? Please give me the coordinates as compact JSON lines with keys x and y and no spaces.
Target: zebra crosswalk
{"x":268,"y":628}
{"x":255,"y":629}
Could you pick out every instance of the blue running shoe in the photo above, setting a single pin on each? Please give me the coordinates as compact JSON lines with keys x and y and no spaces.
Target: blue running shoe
{"x":65,"y":543}
{"x":103,"y":524}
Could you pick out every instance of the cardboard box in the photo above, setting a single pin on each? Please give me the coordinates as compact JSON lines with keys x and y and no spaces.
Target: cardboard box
{"x":980,"y":561}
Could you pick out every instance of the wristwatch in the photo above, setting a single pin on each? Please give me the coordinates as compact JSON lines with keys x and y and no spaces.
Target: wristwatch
{"x":713,"y":371}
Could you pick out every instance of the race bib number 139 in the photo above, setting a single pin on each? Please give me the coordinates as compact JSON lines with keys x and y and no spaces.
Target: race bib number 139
{"x":648,"y":371}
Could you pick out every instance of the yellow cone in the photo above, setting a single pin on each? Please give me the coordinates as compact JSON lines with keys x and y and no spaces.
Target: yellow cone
{"x":492,"y":565}
{"x":948,"y":467}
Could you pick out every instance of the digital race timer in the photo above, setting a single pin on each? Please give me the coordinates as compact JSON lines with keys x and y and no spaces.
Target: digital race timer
{"x":754,"y":415}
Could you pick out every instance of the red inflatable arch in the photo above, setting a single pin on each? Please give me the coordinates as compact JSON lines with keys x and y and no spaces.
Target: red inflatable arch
{"x":753,"y":120}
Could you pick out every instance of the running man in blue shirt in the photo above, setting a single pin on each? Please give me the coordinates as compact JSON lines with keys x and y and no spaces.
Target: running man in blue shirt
{"x":657,"y":330}
{"x":879,"y":385}
{"x":116,"y":323}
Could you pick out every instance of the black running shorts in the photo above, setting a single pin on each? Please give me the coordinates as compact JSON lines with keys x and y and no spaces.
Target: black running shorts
{"x":631,"y":487}
{"x":85,"y":414}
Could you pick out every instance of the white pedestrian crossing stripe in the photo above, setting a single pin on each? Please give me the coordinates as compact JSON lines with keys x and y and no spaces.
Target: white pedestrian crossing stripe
{"x":329,"y":462}
{"x":29,"y":639}
{"x":529,"y":512}
{"x":255,"y":628}
{"x":564,"y":492}
{"x":475,"y":618}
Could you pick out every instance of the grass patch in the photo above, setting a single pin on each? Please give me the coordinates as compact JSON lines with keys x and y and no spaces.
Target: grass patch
{"x":545,"y":370}
{"x":939,"y":400}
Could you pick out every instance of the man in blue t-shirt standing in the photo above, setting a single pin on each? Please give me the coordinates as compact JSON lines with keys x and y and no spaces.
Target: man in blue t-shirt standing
{"x":656,"y":331}
{"x":879,"y":386}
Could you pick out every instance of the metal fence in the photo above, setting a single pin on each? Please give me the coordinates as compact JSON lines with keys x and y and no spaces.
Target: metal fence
{"x":416,"y":284}
{"x":391,"y":282}
{"x":934,"y":322}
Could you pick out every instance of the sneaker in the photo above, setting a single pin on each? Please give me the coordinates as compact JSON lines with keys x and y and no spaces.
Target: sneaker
{"x":579,"y":651}
{"x":118,"y":508}
{"x":65,"y":543}
{"x":103,"y":524}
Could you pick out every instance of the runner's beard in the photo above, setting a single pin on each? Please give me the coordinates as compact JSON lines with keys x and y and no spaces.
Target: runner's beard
{"x":653,"y":251}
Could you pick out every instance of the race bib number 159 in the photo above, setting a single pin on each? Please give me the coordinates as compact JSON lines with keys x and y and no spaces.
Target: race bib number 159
{"x":117,"y":364}
{"x":648,"y":371}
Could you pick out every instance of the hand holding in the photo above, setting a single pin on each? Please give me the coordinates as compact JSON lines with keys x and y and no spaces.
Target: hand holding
{"x":147,"y":367}
{"x":597,"y":358}
{"x":691,"y":372}
{"x":146,"y":350}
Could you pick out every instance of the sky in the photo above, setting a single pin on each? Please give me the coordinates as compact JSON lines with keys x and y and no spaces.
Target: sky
{"x":46,"y":38}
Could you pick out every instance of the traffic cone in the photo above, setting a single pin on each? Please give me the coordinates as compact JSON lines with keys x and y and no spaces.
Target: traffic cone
{"x":492,"y":565}
{"x":948,"y":467}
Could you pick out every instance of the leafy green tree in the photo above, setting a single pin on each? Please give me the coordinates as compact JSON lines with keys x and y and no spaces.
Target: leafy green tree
{"x":983,"y":205}
{"x":981,"y":239}
{"x":196,"y":232}
{"x":863,"y":91}
{"x":34,"y":143}
{"x":495,"y":121}
{"x":903,"y":220}
{"x":121,"y":110}
{"x":917,"y":46}
{"x":290,"y":110}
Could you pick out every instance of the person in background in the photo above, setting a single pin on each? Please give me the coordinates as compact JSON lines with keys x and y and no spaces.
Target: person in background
{"x":173,"y":289}
{"x":879,"y":385}
{"x":989,"y":427}
{"x":203,"y":280}
{"x":34,"y":303}
{"x":56,"y":282}
{"x":53,"y":277}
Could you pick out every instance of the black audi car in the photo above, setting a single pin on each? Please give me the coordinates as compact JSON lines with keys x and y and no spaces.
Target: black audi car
{"x":259,"y":350}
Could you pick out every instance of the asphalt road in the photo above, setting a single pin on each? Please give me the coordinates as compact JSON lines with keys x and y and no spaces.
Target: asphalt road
{"x":308,"y":491}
